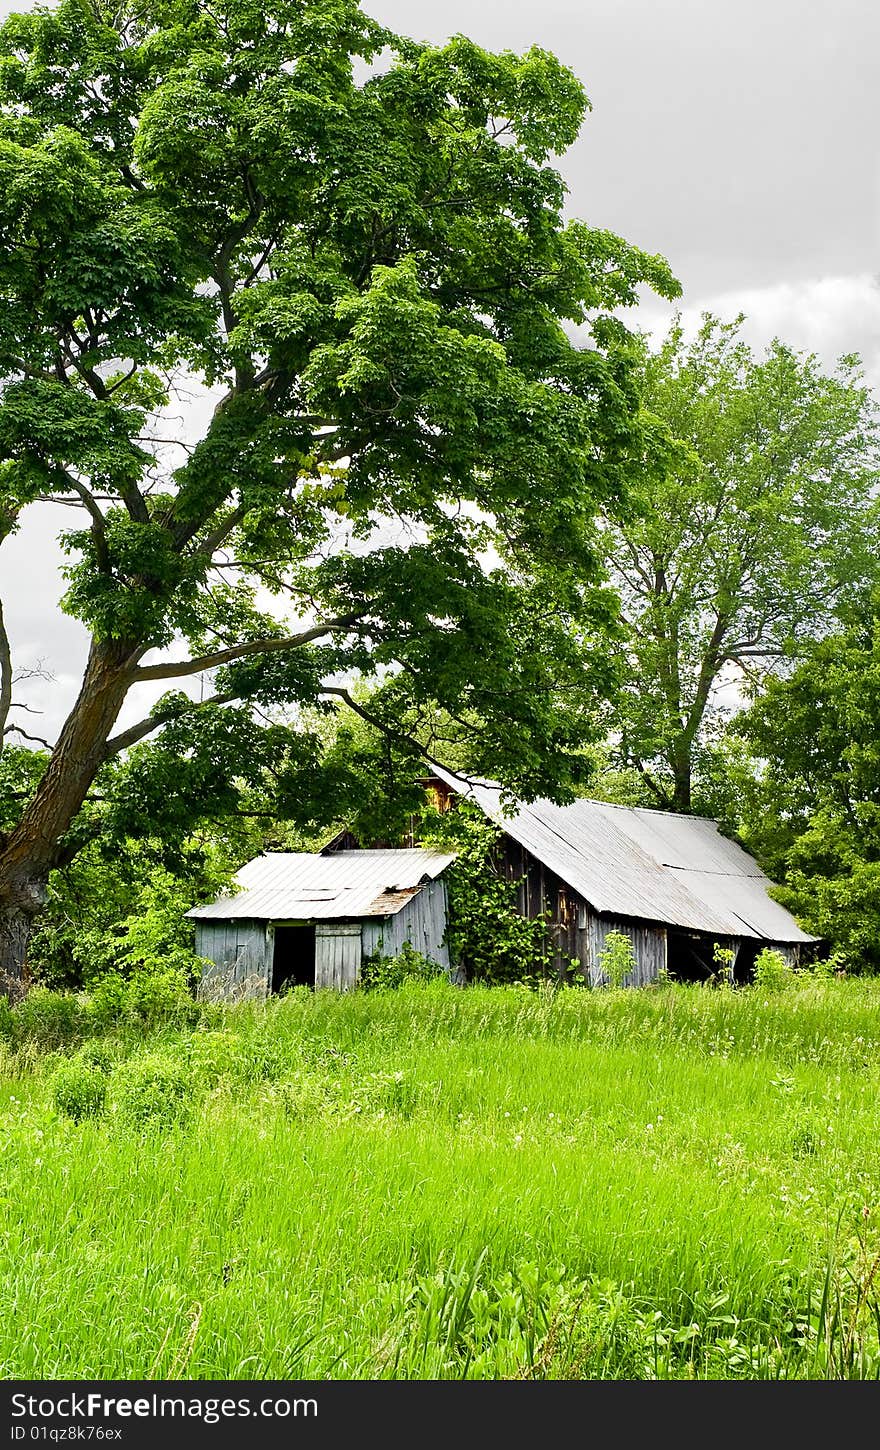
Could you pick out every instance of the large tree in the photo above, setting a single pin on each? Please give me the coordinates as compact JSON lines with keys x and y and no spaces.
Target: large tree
{"x":762,"y":526}
{"x":354,"y":247}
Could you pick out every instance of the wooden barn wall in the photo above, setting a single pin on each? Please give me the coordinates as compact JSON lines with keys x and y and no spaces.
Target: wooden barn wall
{"x":422,"y":923}
{"x":240,"y":953}
{"x":648,"y":943}
{"x":574,"y":929}
{"x":337,"y":955}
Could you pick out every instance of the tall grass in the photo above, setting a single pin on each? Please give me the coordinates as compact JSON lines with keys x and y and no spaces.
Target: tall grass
{"x":430,"y":1182}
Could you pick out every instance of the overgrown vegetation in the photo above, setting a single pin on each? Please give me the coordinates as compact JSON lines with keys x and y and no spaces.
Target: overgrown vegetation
{"x":674,"y":1182}
{"x":812,"y":811}
{"x":617,"y":960}
{"x":407,"y":965}
{"x":487,"y":936}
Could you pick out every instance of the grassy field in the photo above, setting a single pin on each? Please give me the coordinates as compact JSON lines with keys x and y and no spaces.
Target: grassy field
{"x":493,"y":1183}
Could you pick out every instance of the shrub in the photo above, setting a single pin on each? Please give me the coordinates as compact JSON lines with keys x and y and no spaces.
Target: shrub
{"x":146,"y":999}
{"x":79,"y":1089}
{"x":96,"y":1053}
{"x":51,"y":1019}
{"x":213,"y":1056}
{"x":153,"y":1092}
{"x":617,"y":960}
{"x":407,"y":966}
{"x":772,"y":972}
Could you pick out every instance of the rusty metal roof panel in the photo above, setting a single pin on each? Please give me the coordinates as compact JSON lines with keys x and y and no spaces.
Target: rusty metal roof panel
{"x":298,"y":886}
{"x":652,"y":865}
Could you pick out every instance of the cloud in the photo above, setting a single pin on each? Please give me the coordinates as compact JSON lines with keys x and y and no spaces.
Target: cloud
{"x":827,"y":316}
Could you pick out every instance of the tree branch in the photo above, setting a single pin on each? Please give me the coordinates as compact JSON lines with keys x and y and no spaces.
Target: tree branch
{"x":99,"y":523}
{"x":176,"y":671}
{"x":36,"y":739}
{"x":387,"y":730}
{"x":145,"y":727}
{"x":221,"y":533}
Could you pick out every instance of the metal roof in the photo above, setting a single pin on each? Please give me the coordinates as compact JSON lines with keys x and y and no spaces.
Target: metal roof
{"x":651,"y":865}
{"x":297,"y":886}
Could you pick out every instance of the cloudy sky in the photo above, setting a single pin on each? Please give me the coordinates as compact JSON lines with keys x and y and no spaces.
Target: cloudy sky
{"x":741,"y":138}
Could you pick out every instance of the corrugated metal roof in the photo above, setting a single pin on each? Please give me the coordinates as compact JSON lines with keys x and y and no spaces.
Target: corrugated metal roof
{"x":297,"y":886}
{"x":652,"y":865}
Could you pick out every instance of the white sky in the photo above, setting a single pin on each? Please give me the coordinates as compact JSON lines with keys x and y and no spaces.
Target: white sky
{"x":737,"y":137}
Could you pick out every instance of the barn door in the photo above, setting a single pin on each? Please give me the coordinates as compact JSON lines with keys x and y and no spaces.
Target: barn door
{"x":337,"y":956}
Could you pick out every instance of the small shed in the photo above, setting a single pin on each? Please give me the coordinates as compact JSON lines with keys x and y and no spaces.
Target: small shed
{"x":313,"y":919}
{"x":671,"y":883}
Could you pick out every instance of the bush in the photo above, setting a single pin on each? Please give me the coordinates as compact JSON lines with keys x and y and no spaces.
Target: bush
{"x":79,"y":1089}
{"x":96,"y":1053}
{"x":50,"y":1019}
{"x":407,"y":966}
{"x":216,"y":1055}
{"x":153,"y":1092}
{"x":772,"y":972}
{"x":146,"y":999}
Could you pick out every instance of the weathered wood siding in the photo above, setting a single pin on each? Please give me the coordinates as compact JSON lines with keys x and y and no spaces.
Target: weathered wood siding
{"x":648,"y":944}
{"x":240,"y":954}
{"x":422,"y":923}
{"x":575,"y":932}
{"x":337,"y":954}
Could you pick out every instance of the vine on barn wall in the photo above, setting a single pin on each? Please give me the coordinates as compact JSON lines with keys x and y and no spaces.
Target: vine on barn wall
{"x":486,"y":934}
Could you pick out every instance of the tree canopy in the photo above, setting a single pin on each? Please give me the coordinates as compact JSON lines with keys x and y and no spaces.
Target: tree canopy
{"x":813,"y":810}
{"x":351,"y":249}
{"x":745,"y":548}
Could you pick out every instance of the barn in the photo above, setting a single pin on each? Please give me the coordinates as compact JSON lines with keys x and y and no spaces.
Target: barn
{"x":672,"y":883}
{"x":313,"y":919}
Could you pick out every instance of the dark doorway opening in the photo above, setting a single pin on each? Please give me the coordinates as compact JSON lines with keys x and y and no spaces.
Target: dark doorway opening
{"x":744,"y":966}
{"x":293,"y":960}
{"x":689,"y":956}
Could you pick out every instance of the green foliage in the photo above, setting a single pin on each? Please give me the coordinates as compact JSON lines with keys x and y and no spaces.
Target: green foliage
{"x":772,"y":972}
{"x":152,"y":1093}
{"x":530,"y":1322}
{"x":407,"y":965}
{"x":119,"y":907}
{"x":487,"y":936}
{"x":79,"y":1089}
{"x":20,"y":772}
{"x":723,"y":959}
{"x":812,"y":812}
{"x":49,"y":1019}
{"x":759,"y":526}
{"x":147,"y":999}
{"x":617,"y":960}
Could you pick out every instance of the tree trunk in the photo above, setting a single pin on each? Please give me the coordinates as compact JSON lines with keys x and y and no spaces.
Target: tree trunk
{"x":15,"y":931}
{"x":681,"y":773}
{"x":35,"y":845}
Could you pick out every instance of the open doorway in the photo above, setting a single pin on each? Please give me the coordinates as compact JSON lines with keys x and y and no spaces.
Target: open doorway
{"x":744,"y":966}
{"x":689,"y":956}
{"x":293,"y":958}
